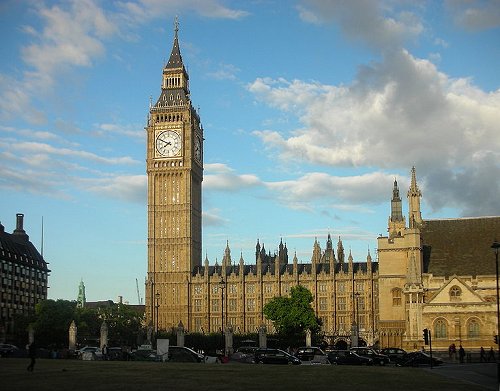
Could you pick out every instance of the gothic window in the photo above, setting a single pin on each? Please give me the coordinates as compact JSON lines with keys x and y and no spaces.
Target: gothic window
{"x":396,"y":297}
{"x":250,"y":288}
{"x":198,"y":289}
{"x":232,"y":305}
{"x":342,"y":304}
{"x":322,"y":287}
{"x":341,"y":286}
{"x":359,"y":286}
{"x":233,"y":288}
{"x":268,"y":288}
{"x":197,"y":305}
{"x":473,"y":329}
{"x":361,"y":304}
{"x":455,"y":293}
{"x":440,"y":329}
{"x":215,"y":305}
{"x":215,"y":289}
{"x":250,"y":304}
{"x":322,"y":304}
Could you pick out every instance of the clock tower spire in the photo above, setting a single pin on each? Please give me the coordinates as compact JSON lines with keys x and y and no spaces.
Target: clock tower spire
{"x":174,"y":166}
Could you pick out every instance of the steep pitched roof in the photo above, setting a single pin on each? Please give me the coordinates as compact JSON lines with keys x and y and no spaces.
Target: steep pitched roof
{"x":18,"y":249}
{"x":460,"y":246}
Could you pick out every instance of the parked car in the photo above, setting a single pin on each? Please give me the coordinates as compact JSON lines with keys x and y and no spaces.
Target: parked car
{"x":394,"y":354}
{"x":89,"y":353}
{"x":346,"y":357}
{"x":312,"y":354}
{"x":183,"y":354}
{"x":417,"y":359}
{"x":7,"y":350}
{"x":378,"y":359}
{"x":244,"y":354}
{"x":144,"y":355}
{"x":115,"y":353}
{"x":275,"y":356}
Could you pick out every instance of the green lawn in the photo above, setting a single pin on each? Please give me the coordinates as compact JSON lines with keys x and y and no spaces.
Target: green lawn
{"x":116,"y":375}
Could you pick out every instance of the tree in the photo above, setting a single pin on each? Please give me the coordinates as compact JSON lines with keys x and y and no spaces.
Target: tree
{"x":293,"y":315}
{"x":52,"y":322}
{"x":123,"y":323}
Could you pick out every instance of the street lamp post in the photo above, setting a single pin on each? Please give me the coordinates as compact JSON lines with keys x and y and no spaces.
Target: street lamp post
{"x":157,"y":297}
{"x":495,"y":246}
{"x":222,"y":285}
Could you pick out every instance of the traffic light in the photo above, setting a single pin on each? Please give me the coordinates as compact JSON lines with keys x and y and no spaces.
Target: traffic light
{"x":426,"y":336}
{"x":495,"y":338}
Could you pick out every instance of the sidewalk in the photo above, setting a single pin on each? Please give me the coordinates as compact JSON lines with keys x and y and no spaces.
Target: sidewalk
{"x":482,"y":374}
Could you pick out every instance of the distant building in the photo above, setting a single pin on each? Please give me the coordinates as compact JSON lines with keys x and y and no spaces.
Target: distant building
{"x":23,"y":276}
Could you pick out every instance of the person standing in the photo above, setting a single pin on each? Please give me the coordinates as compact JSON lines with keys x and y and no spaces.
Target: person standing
{"x":32,"y":356}
{"x":461,"y":354}
{"x":104,"y":352}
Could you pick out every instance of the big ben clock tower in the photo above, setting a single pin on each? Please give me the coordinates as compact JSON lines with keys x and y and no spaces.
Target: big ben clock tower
{"x":174,"y":167}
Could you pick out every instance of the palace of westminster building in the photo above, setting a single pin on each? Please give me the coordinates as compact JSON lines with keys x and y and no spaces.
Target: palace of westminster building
{"x":435,"y":274}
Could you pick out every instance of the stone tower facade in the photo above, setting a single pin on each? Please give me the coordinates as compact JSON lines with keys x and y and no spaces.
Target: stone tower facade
{"x":175,"y":173}
{"x":437,"y":275}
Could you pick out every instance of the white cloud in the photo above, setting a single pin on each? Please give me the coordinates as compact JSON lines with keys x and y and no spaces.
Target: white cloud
{"x":37,"y":148}
{"x":220,"y":177}
{"x":396,"y":114}
{"x":475,"y":15}
{"x":129,"y":188}
{"x":212,"y":218}
{"x":379,"y":24}
{"x":369,"y":188}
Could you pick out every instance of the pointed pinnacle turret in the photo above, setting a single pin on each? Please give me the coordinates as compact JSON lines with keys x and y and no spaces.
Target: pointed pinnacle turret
{"x":414,"y":195}
{"x":175,"y":60}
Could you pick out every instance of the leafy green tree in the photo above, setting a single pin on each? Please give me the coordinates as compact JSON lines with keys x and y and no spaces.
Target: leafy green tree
{"x":123,"y":323}
{"x":293,"y":315}
{"x":88,"y":322}
{"x":52,"y":322}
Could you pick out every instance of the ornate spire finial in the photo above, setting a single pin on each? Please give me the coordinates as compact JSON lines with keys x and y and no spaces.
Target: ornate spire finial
{"x":176,"y":25}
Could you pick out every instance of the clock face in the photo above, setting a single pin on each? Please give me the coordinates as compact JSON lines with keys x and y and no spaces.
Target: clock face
{"x":168,"y":143}
{"x":197,"y":149}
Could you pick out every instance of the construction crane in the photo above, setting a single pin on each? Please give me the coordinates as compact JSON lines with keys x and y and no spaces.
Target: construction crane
{"x":138,"y":294}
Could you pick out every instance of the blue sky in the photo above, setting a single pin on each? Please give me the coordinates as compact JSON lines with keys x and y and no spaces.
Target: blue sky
{"x":310,"y":110}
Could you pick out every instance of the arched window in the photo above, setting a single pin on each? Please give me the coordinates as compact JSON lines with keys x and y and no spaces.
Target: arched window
{"x":440,"y":329}
{"x":473,"y":329}
{"x":455,"y":293}
{"x":396,"y":297}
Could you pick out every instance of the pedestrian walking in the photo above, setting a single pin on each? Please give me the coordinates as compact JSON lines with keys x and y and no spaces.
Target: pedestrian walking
{"x":461,"y":354}
{"x":482,"y":355}
{"x":32,"y":356}
{"x":491,"y":355}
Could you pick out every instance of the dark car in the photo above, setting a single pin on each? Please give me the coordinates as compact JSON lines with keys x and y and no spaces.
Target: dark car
{"x":183,"y":354}
{"x":417,"y":359}
{"x":346,"y":357}
{"x":275,"y":356}
{"x":311,"y":354}
{"x":378,"y":359}
{"x":7,"y":350}
{"x":394,"y":354}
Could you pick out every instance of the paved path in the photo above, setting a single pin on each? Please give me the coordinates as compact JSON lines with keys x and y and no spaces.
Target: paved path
{"x":484,"y":375}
